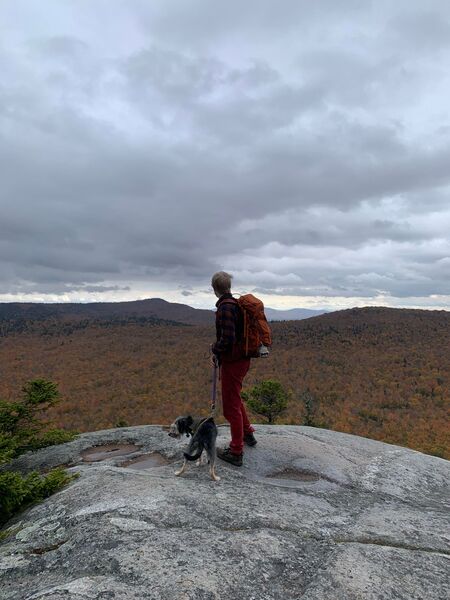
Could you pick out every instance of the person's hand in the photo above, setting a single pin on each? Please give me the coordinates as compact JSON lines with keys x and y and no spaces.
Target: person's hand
{"x":213,"y":360}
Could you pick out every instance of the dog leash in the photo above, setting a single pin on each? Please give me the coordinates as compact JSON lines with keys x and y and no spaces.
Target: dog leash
{"x":214,"y":388}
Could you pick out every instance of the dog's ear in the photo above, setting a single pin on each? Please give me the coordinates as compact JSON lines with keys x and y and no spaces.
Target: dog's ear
{"x":188,"y":421}
{"x":183,"y":424}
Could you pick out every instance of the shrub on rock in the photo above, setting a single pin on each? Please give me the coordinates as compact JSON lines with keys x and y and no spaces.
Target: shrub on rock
{"x":268,"y":399}
{"x":22,"y":429}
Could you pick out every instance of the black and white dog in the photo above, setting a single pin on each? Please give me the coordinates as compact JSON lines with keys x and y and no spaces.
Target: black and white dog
{"x":203,"y":433}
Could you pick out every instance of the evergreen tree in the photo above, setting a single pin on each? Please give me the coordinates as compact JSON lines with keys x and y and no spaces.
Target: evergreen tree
{"x":268,"y":399}
{"x":21,"y":430}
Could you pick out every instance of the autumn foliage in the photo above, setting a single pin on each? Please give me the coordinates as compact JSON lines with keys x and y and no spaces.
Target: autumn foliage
{"x":376,"y":372}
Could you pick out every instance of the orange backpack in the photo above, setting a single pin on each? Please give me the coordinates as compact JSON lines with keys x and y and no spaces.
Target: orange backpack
{"x":256,"y":331}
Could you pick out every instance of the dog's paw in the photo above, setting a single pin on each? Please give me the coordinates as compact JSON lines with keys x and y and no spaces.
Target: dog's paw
{"x":178,"y":473}
{"x":216,"y":478}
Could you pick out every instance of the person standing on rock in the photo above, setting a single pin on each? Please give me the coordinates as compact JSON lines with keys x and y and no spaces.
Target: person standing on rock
{"x":233,"y":368}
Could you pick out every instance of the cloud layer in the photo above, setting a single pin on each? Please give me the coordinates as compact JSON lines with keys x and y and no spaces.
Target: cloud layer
{"x":303,"y":146}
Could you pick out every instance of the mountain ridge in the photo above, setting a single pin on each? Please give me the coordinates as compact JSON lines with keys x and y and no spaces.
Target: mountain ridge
{"x":156,"y":308}
{"x":149,"y":307}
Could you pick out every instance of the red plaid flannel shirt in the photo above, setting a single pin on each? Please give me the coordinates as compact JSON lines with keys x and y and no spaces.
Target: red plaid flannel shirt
{"x":226,"y":322}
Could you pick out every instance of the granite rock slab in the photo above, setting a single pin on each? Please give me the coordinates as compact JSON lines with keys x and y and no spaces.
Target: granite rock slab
{"x":312,"y":514}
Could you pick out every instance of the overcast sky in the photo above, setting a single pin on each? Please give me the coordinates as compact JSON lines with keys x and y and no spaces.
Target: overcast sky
{"x":303,"y":146}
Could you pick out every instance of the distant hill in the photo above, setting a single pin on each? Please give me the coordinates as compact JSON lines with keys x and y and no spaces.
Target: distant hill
{"x":18,"y":316}
{"x":378,"y":372}
{"x":293,"y":314}
{"x":153,"y":309}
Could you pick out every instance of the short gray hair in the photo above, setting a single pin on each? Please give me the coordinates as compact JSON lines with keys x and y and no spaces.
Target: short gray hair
{"x":221,"y":282}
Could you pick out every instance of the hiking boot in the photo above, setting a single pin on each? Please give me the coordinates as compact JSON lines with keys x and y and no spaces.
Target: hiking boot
{"x":228,"y":456}
{"x":250,"y":439}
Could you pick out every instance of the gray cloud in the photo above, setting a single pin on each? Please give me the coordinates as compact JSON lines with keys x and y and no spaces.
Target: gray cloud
{"x":303,"y":147}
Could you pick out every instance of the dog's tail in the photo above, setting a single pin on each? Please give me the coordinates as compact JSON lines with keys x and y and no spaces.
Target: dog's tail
{"x":194,"y":456}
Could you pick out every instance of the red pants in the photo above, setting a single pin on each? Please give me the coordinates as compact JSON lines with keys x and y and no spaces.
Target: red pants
{"x":232,"y":375}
